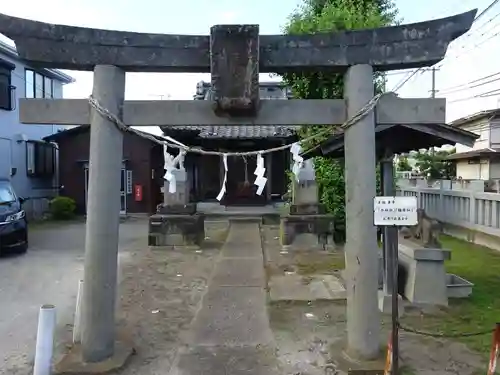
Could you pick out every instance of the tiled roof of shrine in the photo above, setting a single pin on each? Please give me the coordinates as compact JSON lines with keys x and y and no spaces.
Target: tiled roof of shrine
{"x":236,"y":132}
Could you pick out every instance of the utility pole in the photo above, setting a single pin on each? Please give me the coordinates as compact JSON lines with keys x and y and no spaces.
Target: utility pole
{"x":433,"y":89}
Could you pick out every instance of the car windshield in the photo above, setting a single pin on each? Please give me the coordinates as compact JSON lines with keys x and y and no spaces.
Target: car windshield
{"x":6,"y":193}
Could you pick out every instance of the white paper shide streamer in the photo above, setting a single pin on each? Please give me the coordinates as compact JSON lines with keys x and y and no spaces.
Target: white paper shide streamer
{"x":223,"y":188}
{"x":170,"y":166}
{"x":260,"y":180}
{"x":298,"y":161}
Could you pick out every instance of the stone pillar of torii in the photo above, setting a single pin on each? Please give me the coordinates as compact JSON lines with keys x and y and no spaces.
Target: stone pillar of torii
{"x":110,"y":54}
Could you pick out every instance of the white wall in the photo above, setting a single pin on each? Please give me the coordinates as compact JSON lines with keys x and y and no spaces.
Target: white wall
{"x":482,"y":128}
{"x":468,"y":171}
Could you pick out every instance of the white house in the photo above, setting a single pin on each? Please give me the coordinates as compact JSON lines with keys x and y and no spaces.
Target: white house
{"x":481,"y":162}
{"x":29,"y":162}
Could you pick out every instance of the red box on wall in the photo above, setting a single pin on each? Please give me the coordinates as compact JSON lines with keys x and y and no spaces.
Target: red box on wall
{"x":138,"y":193}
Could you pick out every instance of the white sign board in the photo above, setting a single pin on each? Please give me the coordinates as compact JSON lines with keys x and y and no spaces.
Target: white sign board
{"x":400,"y":211}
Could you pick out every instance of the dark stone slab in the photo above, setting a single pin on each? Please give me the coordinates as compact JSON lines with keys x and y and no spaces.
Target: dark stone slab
{"x":176,"y":209}
{"x":176,"y":230}
{"x":307,"y":209}
{"x":239,"y":272}
{"x":232,"y":316}
{"x":234,"y":64}
{"x":228,"y":360}
{"x":78,"y":48}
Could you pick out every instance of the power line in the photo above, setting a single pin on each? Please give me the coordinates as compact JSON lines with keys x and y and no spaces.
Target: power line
{"x":470,"y":82}
{"x":472,"y":86}
{"x":488,"y":8}
{"x":478,"y":44}
{"x":486,"y":94}
{"x":471,"y":32}
{"x":405,"y":79}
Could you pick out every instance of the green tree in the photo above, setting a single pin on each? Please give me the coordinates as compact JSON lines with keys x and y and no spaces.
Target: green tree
{"x":403,"y":164}
{"x":327,"y":16}
{"x":434,"y":164}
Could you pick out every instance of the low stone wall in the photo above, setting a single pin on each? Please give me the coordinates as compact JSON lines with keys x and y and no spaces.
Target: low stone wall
{"x":466,"y":214}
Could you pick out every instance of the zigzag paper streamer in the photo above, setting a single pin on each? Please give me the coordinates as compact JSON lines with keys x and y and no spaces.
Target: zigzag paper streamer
{"x":260,"y":170}
{"x":223,"y":188}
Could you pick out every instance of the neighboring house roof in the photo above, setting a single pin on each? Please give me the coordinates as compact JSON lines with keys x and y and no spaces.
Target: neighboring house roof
{"x":84,"y":128}
{"x":474,"y":153}
{"x":52,"y":73}
{"x":475,"y":116}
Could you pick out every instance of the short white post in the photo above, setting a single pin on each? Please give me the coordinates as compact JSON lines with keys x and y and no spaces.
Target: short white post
{"x":45,"y":340}
{"x":77,"y":326}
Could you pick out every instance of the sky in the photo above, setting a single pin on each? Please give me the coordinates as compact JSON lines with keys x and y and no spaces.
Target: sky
{"x":471,"y":57}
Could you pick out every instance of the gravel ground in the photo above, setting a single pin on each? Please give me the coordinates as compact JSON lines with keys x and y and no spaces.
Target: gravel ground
{"x":310,"y":335}
{"x":158,"y":292}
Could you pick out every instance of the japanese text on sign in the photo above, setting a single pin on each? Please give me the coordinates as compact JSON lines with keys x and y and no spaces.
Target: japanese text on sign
{"x":400,"y":211}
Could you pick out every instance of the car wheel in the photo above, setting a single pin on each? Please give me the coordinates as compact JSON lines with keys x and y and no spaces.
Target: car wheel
{"x":23,"y":249}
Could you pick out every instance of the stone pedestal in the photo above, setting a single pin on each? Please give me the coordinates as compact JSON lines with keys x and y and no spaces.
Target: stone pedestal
{"x":307,"y":230}
{"x":426,"y":280}
{"x":175,"y":229}
{"x":306,"y":226}
{"x":176,"y":222}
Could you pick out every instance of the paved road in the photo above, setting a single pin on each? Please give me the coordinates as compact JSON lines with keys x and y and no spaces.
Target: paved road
{"x":48,"y":273}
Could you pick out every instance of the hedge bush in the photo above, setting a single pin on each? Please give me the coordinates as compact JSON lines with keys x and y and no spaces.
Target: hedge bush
{"x":62,"y":208}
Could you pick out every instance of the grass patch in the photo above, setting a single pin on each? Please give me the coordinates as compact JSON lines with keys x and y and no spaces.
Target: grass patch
{"x":333,"y":263}
{"x":50,"y":223}
{"x":407,"y":370}
{"x":481,"y":266}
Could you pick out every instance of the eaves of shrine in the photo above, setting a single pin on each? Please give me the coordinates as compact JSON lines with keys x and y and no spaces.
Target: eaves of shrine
{"x":398,"y":139}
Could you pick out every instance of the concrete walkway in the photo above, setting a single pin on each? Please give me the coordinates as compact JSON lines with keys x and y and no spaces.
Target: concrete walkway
{"x":230,"y":334}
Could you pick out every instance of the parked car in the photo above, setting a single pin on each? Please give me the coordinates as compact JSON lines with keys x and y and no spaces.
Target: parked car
{"x":13,"y":223}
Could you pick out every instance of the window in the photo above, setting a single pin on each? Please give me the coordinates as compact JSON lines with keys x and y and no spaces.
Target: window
{"x":6,"y":87}
{"x":6,"y":192}
{"x":38,"y":86}
{"x":40,"y":159}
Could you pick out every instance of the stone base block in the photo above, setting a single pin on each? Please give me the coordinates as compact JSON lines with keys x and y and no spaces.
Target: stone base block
{"x":176,"y":230}
{"x":72,"y":362}
{"x":306,"y":231}
{"x":385,"y":303}
{"x":343,"y":360}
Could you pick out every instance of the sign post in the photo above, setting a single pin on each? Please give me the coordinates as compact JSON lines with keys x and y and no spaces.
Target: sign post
{"x":495,"y":351}
{"x":395,"y":212}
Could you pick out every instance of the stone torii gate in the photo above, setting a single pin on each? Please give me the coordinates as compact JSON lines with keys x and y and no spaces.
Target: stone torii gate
{"x":234,"y":55}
